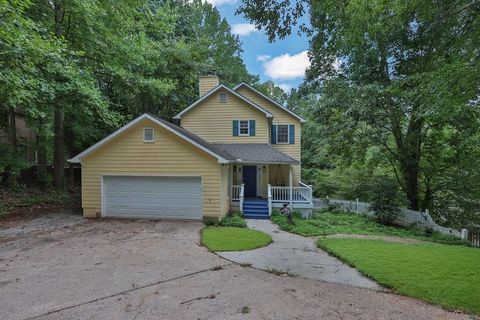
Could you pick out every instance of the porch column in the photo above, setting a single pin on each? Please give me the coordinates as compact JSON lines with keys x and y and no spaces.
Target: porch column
{"x":290,"y":186}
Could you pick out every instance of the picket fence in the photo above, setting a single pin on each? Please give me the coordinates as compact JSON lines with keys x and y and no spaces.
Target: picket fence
{"x":406,"y":217}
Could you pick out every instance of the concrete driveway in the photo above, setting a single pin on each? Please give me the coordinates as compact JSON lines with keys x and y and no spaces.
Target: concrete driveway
{"x":61,"y":266}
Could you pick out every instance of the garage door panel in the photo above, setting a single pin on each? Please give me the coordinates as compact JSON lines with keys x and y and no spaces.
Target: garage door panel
{"x":153,"y":197}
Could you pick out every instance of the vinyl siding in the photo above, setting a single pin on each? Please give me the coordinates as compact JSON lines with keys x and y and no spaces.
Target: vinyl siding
{"x":212,"y":120}
{"x":169,"y":155}
{"x":280,"y":117}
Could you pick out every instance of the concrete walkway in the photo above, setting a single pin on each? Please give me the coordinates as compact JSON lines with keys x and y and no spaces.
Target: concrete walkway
{"x":299,"y":256}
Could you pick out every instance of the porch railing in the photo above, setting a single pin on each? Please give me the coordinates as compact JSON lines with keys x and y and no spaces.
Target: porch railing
{"x":236,"y":192}
{"x":299,"y":194}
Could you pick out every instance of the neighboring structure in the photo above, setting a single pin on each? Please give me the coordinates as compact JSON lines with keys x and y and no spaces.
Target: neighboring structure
{"x":236,"y":149}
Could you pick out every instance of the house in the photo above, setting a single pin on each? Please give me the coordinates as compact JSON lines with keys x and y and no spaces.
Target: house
{"x":235,"y":149}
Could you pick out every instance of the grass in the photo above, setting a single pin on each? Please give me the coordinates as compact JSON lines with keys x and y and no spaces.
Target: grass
{"x":233,"y":239}
{"x":441,"y":274}
{"x":326,"y":223}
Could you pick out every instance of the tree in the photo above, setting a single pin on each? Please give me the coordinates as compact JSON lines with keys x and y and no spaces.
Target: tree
{"x":390,"y":75}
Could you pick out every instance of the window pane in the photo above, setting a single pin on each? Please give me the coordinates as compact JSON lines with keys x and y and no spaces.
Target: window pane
{"x":223,"y":97}
{"x":244,"y":127}
{"x":282,"y":133}
{"x":148,"y":134}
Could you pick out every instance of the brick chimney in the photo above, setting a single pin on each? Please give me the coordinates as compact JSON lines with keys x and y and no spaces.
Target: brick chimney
{"x":207,"y":83}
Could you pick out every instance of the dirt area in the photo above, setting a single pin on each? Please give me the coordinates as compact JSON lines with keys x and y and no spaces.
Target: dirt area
{"x":62,"y":266}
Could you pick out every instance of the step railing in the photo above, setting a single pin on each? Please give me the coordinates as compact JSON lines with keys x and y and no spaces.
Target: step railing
{"x":241,"y":196}
{"x":269,"y":194}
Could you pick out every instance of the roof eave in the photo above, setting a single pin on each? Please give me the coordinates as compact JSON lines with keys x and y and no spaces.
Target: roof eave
{"x":78,"y":158}
{"x":302,"y":120}
{"x":205,"y":96}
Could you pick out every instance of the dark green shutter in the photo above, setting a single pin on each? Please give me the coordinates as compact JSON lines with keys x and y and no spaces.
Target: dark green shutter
{"x":252,"y":127}
{"x":291,"y":131}
{"x":274,"y":134}
{"x":235,"y":128}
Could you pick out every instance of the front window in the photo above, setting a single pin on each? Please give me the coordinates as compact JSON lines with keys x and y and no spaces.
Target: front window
{"x":244,"y":128}
{"x":282,"y":133}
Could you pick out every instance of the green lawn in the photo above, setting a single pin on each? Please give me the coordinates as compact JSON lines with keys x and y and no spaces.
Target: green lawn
{"x":351,"y":223}
{"x":233,"y":239}
{"x":441,"y":274}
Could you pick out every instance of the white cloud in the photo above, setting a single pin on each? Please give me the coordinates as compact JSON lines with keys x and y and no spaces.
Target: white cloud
{"x":263,"y":57}
{"x":219,"y":2}
{"x":287,"y":67}
{"x":243,"y":29}
{"x":285,"y":87}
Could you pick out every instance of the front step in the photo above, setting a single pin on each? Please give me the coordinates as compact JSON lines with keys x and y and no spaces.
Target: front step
{"x":255,"y":209}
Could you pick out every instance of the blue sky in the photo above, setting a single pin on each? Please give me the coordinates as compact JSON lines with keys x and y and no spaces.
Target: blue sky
{"x":283,"y":61}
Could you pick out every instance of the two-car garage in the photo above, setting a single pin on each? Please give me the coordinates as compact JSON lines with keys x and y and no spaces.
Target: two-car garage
{"x":152,"y":197}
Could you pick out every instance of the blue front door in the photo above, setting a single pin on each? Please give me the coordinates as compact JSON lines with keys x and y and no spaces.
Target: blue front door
{"x":250,"y":181}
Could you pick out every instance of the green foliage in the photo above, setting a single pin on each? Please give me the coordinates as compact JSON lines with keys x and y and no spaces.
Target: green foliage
{"x":210,"y":221}
{"x":421,"y":271}
{"x":233,"y":220}
{"x":392,"y":86}
{"x":384,"y":199}
{"x":338,"y":222}
{"x":233,"y":239}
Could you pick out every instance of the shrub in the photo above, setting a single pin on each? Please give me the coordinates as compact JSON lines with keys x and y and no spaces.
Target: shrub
{"x":384,"y":199}
{"x":210,"y":221}
{"x":233,"y":220}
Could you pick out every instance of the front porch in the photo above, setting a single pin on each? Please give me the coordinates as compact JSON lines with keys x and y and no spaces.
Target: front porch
{"x":257,"y":189}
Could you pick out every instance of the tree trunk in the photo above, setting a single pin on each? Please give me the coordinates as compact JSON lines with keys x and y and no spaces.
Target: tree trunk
{"x":59,"y":149}
{"x":409,"y":158}
{"x":12,"y":139}
{"x":42,"y":174}
{"x":59,"y":141}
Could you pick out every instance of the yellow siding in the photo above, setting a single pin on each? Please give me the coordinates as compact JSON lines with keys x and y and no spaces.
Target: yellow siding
{"x":212,"y":120}
{"x":224,"y":189}
{"x":280,"y":117}
{"x":169,"y":155}
{"x":207,"y":83}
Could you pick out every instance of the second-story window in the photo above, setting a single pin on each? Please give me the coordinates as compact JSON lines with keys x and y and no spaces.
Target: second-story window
{"x":282,"y":133}
{"x":244,"y":128}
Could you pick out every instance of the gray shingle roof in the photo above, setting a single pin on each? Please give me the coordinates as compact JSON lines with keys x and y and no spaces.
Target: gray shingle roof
{"x":237,"y":152}
{"x":255,"y":153}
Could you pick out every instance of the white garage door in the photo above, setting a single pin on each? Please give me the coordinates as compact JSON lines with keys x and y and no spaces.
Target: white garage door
{"x":152,"y":197}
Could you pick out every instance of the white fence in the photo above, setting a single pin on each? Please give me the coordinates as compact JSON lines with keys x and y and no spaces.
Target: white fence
{"x":405,"y":218}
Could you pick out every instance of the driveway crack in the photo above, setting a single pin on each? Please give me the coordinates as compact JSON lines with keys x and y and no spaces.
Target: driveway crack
{"x":130,"y":290}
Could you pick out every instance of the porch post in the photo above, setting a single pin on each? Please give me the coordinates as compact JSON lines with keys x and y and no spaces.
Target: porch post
{"x":290,"y":186}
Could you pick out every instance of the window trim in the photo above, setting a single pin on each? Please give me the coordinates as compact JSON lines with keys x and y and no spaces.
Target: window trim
{"x":288,"y":134}
{"x":220,"y":95}
{"x":240,"y":128}
{"x":153,"y":135}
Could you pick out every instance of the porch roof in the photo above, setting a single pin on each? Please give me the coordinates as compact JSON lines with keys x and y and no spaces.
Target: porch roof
{"x":255,"y":153}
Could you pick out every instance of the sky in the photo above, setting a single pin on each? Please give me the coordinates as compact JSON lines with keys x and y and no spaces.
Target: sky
{"x":283,"y":61}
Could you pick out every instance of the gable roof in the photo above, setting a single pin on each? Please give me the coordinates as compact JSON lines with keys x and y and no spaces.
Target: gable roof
{"x":270,"y":100}
{"x":215,"y":89}
{"x":222,"y":156}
